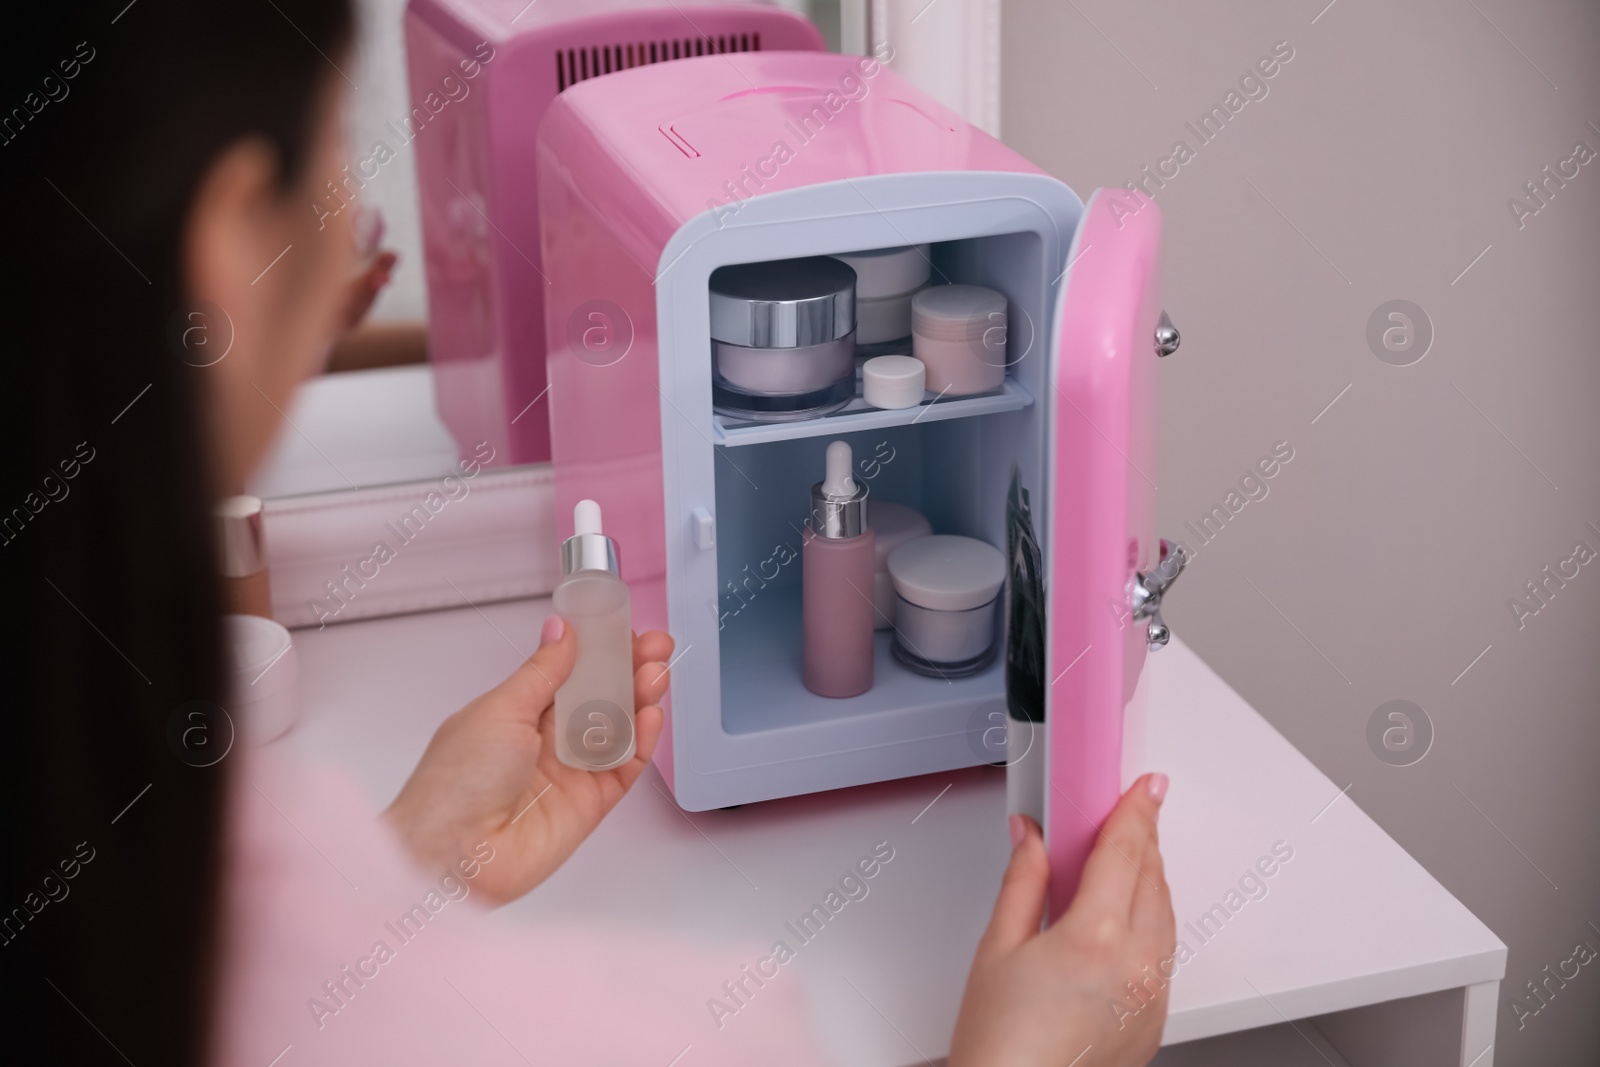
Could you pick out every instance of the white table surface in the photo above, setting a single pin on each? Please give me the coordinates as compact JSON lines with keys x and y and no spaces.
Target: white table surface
{"x":1350,"y":920}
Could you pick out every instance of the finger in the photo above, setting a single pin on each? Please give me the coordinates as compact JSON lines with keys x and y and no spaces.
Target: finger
{"x":655,"y":646}
{"x":377,"y":273}
{"x":1152,"y":918}
{"x":649,"y":682}
{"x":365,"y":288}
{"x":534,"y":684}
{"x":1019,"y":908}
{"x":647,"y":723}
{"x":1112,"y":871}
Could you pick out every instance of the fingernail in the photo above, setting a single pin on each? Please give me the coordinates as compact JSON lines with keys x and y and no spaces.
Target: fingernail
{"x":1019,"y":830}
{"x":1157,"y":785}
{"x":553,"y":629}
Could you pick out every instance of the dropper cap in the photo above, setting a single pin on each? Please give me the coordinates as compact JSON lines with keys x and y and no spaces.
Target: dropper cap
{"x":588,"y":549}
{"x":838,"y":502}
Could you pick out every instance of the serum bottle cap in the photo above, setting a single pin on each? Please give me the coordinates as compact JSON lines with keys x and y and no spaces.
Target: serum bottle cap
{"x":838,"y":502}
{"x":588,"y":549}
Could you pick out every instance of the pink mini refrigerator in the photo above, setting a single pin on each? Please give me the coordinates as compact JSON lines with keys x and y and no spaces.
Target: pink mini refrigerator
{"x":651,"y":180}
{"x":482,"y":73}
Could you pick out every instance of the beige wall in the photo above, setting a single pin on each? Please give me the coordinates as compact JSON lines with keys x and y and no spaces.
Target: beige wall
{"x":1377,"y":167}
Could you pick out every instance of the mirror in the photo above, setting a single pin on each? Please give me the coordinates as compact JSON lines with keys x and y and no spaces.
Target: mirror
{"x":370,"y":419}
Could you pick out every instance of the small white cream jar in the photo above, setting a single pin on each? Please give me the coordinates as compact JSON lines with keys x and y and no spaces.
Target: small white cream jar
{"x":264,"y":680}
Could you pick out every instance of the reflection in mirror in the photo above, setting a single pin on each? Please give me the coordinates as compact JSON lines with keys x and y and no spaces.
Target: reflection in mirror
{"x":825,"y":14}
{"x":370,"y":419}
{"x":357,"y":430}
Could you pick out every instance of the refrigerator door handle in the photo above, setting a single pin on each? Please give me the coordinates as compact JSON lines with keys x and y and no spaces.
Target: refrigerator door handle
{"x":1150,"y":587}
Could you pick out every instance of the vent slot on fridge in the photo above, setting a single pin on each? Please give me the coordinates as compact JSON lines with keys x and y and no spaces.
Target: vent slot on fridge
{"x":574,"y":65}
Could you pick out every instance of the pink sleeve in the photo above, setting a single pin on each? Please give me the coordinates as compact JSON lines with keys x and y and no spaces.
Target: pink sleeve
{"x":337,"y":952}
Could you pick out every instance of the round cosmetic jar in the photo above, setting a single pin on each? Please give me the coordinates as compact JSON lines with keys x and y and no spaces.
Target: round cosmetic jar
{"x":959,"y":333}
{"x":265,"y":677}
{"x":783,"y":338}
{"x":886,"y":280}
{"x":948,"y":592}
{"x":892,"y":526}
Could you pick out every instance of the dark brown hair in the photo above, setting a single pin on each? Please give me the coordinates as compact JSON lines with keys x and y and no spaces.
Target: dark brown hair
{"x":109,"y":116}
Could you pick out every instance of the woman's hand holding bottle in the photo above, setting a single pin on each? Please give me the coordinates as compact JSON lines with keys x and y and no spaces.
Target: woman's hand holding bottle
{"x":491,"y":774}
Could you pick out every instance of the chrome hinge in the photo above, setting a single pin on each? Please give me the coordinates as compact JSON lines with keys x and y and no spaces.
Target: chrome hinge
{"x":1167,"y":338}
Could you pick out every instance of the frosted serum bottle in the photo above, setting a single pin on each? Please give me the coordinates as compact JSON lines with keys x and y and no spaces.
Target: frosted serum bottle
{"x":837,"y":565}
{"x":594,"y":709}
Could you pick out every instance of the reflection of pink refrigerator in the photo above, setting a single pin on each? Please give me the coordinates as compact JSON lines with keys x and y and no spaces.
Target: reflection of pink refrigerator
{"x":481,"y":74}
{"x":652,"y":179}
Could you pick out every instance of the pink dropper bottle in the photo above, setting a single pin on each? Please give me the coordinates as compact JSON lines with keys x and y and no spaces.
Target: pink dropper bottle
{"x":837,"y":565}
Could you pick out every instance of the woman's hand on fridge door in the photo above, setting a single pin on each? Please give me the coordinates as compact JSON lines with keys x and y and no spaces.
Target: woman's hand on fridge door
{"x":490,"y":774}
{"x":1062,"y":995}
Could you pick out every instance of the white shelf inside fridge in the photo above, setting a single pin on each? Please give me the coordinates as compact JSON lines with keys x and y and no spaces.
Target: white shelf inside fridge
{"x":858,"y":415}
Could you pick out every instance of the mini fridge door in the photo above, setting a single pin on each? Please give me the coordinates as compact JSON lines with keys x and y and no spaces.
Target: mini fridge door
{"x":1099,"y":530}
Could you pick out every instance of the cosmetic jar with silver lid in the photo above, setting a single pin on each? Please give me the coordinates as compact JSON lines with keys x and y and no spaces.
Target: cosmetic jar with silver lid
{"x":783,"y":338}
{"x":949,"y":591}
